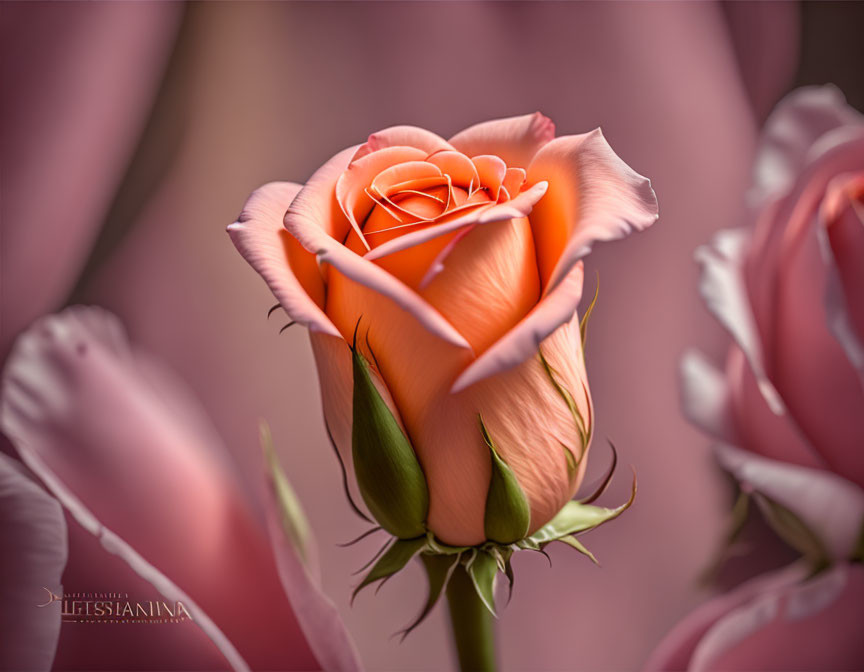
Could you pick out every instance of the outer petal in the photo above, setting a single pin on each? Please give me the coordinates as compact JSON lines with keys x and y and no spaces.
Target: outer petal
{"x":593,"y":195}
{"x":32,"y":558}
{"x":403,"y":136}
{"x":522,"y":341}
{"x":757,"y":427}
{"x":514,"y":139}
{"x":705,"y":397}
{"x":798,"y":121}
{"x":777,"y":630}
{"x":723,"y":290}
{"x":363,"y":271}
{"x":676,"y":649}
{"x":289,"y":270}
{"x":811,"y":370}
{"x":101,"y":424}
{"x":831,"y":506}
{"x":842,"y":214}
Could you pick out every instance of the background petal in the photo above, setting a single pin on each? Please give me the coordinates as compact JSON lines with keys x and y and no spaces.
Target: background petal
{"x":32,"y":558}
{"x":101,"y":424}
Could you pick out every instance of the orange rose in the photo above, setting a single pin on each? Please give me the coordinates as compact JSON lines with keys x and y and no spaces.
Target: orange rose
{"x":456,"y":263}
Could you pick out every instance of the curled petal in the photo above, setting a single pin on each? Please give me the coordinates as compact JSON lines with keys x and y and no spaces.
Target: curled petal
{"x":519,"y":206}
{"x":593,"y":195}
{"x":352,"y":184}
{"x":515,"y":139}
{"x":522,"y":341}
{"x":705,"y":396}
{"x":100,"y":423}
{"x":403,"y":136}
{"x":491,"y":170}
{"x":32,"y":556}
{"x":459,"y":167}
{"x":725,"y":294}
{"x":798,"y":121}
{"x":260,"y":237}
{"x":776,"y":629}
{"x":376,"y":278}
{"x":830,"y":506}
{"x":676,"y":649}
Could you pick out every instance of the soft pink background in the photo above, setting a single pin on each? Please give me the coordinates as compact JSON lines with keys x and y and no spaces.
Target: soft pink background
{"x":270,"y":91}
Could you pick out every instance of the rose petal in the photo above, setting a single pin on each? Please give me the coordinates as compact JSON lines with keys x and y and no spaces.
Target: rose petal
{"x":290,"y":272}
{"x":106,"y":429}
{"x":515,"y":139}
{"x":403,"y":136}
{"x":522,"y":341}
{"x":676,"y":649}
{"x":593,"y":195}
{"x":842,"y":241}
{"x":351,"y":185}
{"x":758,"y":428}
{"x":491,"y":170}
{"x":723,"y":290}
{"x":519,"y":206}
{"x":705,"y":396}
{"x":777,"y":630}
{"x":362,"y":270}
{"x":459,"y":167}
{"x":797,"y":122}
{"x":32,"y":557}
{"x":830,"y":506}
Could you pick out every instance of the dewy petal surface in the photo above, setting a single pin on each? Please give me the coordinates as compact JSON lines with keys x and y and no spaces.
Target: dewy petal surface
{"x":593,"y":195}
{"x":32,"y":558}
{"x":119,"y":441}
{"x":515,"y":139}
{"x":290,"y":271}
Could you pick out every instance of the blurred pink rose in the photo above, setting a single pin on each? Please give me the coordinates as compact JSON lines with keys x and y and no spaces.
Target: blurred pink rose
{"x":461,"y":258}
{"x":121,"y":443}
{"x":781,"y":621}
{"x":791,"y":293}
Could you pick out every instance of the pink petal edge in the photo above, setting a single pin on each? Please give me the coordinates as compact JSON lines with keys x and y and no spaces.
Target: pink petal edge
{"x":257,"y":236}
{"x":831,"y":506}
{"x":523,"y":340}
{"x":515,"y":139}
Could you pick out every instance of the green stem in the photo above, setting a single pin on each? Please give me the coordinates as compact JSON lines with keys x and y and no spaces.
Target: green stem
{"x":472,"y":625}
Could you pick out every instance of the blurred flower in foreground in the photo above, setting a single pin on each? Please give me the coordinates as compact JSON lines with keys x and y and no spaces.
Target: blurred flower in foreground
{"x":118,"y":440}
{"x":788,"y":413}
{"x":440,"y":281}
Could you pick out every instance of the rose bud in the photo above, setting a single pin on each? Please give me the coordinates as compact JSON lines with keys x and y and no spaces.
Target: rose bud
{"x":439,"y":281}
{"x":789,"y":409}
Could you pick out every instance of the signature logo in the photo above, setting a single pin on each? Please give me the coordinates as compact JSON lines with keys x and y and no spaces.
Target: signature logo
{"x":114,"y":608}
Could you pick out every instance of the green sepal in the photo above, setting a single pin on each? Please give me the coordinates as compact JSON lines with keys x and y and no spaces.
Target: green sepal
{"x":294,"y":521}
{"x":573,"y":542}
{"x":573,"y":518}
{"x":439,"y":569}
{"x":508,"y":514}
{"x":794,"y":531}
{"x":388,"y":474}
{"x":482,"y":568}
{"x":394,"y":559}
{"x":584,"y":429}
